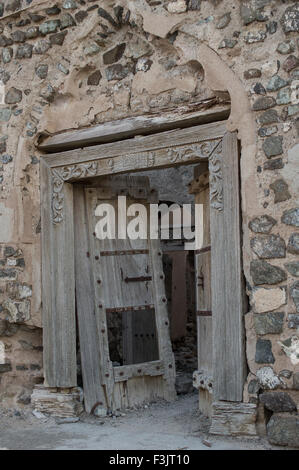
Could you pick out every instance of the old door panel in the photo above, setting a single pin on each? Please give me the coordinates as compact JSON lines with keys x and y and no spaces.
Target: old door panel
{"x":129,"y":302}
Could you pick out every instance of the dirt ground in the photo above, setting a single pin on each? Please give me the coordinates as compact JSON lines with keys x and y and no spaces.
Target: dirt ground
{"x":159,"y":426}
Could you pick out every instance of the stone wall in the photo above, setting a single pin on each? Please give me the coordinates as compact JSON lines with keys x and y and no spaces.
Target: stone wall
{"x":74,"y":63}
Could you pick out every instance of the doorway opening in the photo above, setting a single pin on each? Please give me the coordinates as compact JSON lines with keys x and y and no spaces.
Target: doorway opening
{"x":132,"y":331}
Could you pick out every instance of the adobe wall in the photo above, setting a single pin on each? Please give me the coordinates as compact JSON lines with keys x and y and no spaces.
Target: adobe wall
{"x":74,"y":63}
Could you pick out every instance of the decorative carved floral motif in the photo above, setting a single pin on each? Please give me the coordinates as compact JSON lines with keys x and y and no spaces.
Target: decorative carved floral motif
{"x":57,"y":198}
{"x":216,"y":182}
{"x":66,"y":173}
{"x":191,"y":151}
{"x":82,"y":170}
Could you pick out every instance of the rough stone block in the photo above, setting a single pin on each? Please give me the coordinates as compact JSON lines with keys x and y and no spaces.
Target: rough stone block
{"x":278,"y":401}
{"x":281,"y":191}
{"x":265,"y":300}
{"x":264,"y":103}
{"x":290,"y":19}
{"x":291,"y":217}
{"x":270,"y":246}
{"x":296,"y":381}
{"x":18,"y":312}
{"x":294,"y":291}
{"x":272,"y":146}
{"x":114,"y":55}
{"x":283,"y":430}
{"x":268,"y":323}
{"x":50,"y":26}
{"x":293,"y":320}
{"x":265,"y":273}
{"x":233,"y":419}
{"x":293,"y":244}
{"x":290,"y":347}
{"x":267,"y":378}
{"x":53,"y":402}
{"x":263,"y":353}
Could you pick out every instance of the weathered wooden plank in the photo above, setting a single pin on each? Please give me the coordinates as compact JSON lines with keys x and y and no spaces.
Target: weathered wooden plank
{"x":202,"y":378}
{"x":227,"y":279}
{"x":200,"y":187}
{"x":152,"y":368}
{"x":205,"y":344}
{"x":162,"y":320}
{"x":88,"y":333}
{"x":121,"y":129}
{"x":139,"y":390}
{"x":203,"y":281}
{"x":59,"y":323}
{"x":100,"y":304}
{"x":163,"y":140}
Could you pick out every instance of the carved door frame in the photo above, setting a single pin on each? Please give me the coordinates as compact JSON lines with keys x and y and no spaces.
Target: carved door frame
{"x":59,"y":171}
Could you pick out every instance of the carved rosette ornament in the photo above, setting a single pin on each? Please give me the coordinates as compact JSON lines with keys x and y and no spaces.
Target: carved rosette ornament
{"x":216,"y":181}
{"x":60,"y":176}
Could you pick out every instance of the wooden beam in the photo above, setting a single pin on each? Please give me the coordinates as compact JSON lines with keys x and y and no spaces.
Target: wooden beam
{"x":140,"y":144}
{"x":58,"y":292}
{"x":139,"y":125}
{"x":153,"y":368}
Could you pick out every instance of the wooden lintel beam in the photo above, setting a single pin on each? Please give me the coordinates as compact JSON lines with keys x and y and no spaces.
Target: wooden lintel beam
{"x":125,"y":128}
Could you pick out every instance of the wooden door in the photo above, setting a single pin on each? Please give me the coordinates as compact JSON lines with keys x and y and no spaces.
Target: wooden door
{"x":134,"y":360}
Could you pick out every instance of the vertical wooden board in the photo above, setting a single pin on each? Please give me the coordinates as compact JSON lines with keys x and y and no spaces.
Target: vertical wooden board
{"x":205,"y":401}
{"x":203,"y":259}
{"x":162,"y":320}
{"x":100,"y":304}
{"x":59,"y":322}
{"x":205,"y":345}
{"x":203,"y":283}
{"x":88,"y":332}
{"x":139,"y":390}
{"x":49,"y":352}
{"x":204,"y":303}
{"x":229,"y":365}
